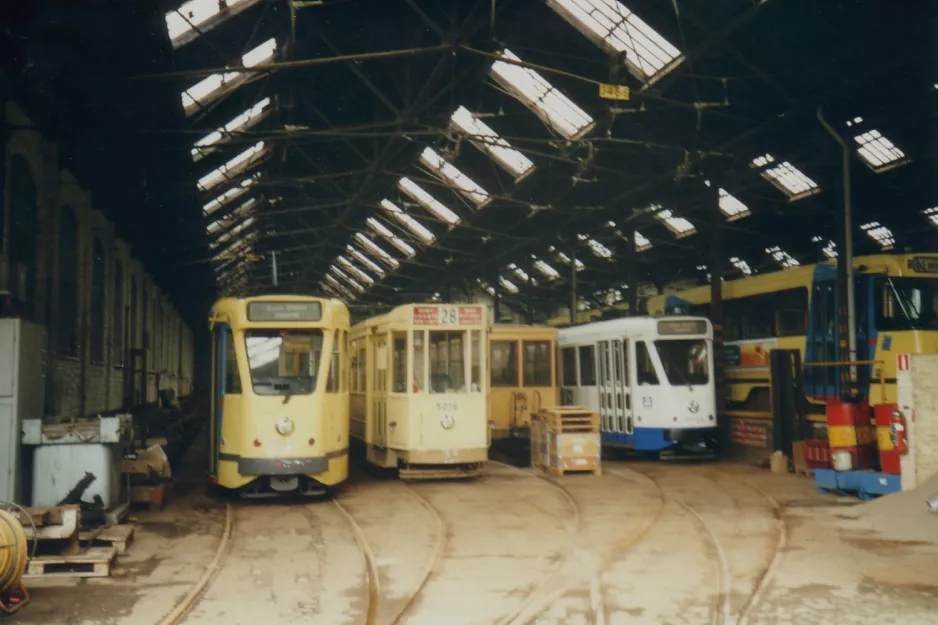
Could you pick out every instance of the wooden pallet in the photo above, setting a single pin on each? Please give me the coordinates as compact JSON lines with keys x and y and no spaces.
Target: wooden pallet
{"x":560,"y":471}
{"x":568,"y":419}
{"x":94,"y":562}
{"x":117,"y":536}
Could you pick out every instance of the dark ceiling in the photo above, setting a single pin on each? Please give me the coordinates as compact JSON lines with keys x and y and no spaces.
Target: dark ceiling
{"x":348,"y":123}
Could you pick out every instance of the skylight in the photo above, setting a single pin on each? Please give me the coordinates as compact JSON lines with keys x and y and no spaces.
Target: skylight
{"x":215,"y":85}
{"x":641,"y":242}
{"x":389,"y":236}
{"x":731,"y":207}
{"x":508,"y":285}
{"x":408,"y":222}
{"x":364,"y":260}
{"x":350,"y":266}
{"x":234,"y":167}
{"x":197,"y":17}
{"x":742,"y":265}
{"x":347,"y":279}
{"x":545,"y":101}
{"x":879,"y":152}
{"x":596,"y":247}
{"x":233,"y":233}
{"x":879,"y":233}
{"x":238,"y":246}
{"x":521,"y":273}
{"x":566,"y":261}
{"x":678,"y":226}
{"x":430,"y":203}
{"x":781,"y":257}
{"x":546,"y":270}
{"x":486,"y":287}
{"x":616,"y":29}
{"x":223,"y":224}
{"x":932,"y":214}
{"x":402,"y":246}
{"x":231,"y":194}
{"x":338,"y":286}
{"x":208,"y":144}
{"x":829,"y":249}
{"x":786,"y":177}
{"x":488,"y":141}
{"x":450,"y":174}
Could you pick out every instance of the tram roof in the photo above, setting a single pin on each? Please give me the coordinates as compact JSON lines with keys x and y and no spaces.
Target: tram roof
{"x":400,"y":132}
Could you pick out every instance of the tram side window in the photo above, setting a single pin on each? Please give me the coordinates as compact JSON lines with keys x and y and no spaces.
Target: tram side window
{"x":232,"y":381}
{"x":447,"y":363}
{"x":362,"y":367}
{"x":475,"y":361}
{"x":353,"y":367}
{"x":504,"y":363}
{"x":420,"y":349}
{"x":399,"y":362}
{"x":537,"y":363}
{"x":587,"y":365}
{"x":333,"y":382}
{"x":568,"y":362}
{"x":645,"y":365}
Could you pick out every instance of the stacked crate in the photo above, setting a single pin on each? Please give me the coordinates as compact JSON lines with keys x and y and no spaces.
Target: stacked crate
{"x":564,"y":439}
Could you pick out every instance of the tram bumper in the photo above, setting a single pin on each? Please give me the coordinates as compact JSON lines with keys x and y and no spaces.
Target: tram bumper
{"x":283,"y":466}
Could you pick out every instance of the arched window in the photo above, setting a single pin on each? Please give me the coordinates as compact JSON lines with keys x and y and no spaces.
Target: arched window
{"x":23,"y":233}
{"x":68,"y":283}
{"x":117,"y":316}
{"x":97,"y":301}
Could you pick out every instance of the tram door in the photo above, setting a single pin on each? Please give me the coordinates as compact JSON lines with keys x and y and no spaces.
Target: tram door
{"x":379,"y":395}
{"x":615,"y":405}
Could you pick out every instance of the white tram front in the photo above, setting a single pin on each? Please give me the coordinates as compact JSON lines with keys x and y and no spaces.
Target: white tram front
{"x":419,"y":389}
{"x":650,"y":379}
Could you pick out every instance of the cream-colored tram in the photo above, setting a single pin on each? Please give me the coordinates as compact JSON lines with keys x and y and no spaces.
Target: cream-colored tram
{"x":418,"y":389}
{"x":280,"y":403}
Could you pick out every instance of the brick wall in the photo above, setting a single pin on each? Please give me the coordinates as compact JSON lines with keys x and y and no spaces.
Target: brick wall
{"x":74,"y":384}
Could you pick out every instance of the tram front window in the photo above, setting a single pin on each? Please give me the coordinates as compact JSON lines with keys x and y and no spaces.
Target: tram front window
{"x":447,"y":362}
{"x":907,"y":304}
{"x":685,"y":361}
{"x":284,"y":362}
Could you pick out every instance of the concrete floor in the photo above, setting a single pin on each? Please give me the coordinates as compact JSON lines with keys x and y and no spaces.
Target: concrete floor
{"x":647,"y":543}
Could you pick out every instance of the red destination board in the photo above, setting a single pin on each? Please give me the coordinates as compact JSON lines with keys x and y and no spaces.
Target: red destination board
{"x":426,"y":315}
{"x":470,"y":315}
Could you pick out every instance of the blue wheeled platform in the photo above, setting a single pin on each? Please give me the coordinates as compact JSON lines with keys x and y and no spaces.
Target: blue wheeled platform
{"x":864,"y":484}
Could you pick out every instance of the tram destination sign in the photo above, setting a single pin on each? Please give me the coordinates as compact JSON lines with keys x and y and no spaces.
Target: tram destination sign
{"x":284,"y":311}
{"x":924,"y":264}
{"x":447,"y":315}
{"x":682,"y":326}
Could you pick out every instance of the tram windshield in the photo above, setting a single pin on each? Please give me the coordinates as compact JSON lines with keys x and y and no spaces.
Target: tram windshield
{"x":284,"y":362}
{"x":685,"y":361}
{"x":908,"y":304}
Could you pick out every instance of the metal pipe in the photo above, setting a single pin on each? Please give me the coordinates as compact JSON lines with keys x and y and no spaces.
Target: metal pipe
{"x":273,"y":266}
{"x":848,"y":243}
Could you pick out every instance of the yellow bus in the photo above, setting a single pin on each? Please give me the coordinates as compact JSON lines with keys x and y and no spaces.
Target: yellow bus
{"x":280,"y":403}
{"x":796,"y":308}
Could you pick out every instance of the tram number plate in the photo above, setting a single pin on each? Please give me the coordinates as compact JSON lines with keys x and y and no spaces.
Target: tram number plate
{"x":449,"y":316}
{"x":445,"y":406}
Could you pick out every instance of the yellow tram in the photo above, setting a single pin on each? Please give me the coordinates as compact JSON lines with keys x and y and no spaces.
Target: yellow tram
{"x":418,"y":389}
{"x":522,"y":381}
{"x":280,"y":403}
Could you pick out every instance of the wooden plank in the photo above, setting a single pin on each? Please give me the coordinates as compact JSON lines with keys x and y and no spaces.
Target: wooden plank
{"x":119,"y":537}
{"x":95,"y":562}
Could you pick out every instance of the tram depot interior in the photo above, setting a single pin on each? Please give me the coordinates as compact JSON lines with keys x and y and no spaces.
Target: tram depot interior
{"x":468,"y":312}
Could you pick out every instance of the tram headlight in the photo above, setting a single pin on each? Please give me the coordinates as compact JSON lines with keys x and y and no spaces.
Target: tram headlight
{"x":693,"y":406}
{"x":447,"y":422}
{"x":285,"y":426}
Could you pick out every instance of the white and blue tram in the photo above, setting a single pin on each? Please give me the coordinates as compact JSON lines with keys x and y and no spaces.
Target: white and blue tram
{"x":651,"y":380}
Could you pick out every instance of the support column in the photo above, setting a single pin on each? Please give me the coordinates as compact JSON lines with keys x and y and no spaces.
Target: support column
{"x":631,"y":253}
{"x":716,"y":311}
{"x":530,"y":298}
{"x":573,"y":294}
{"x":497,"y":297}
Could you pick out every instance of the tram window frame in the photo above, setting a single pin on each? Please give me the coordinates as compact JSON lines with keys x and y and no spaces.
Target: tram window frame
{"x":334,"y":375}
{"x":540,"y":373}
{"x":419,"y":349}
{"x":399,"y":351}
{"x":568,"y":365}
{"x":267,"y":384}
{"x":457,"y":366}
{"x":890,"y":315}
{"x":232,"y":371}
{"x":587,"y":373}
{"x":507,"y":377}
{"x":645,"y":372}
